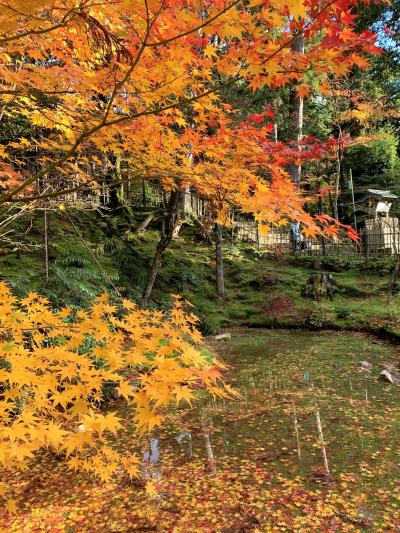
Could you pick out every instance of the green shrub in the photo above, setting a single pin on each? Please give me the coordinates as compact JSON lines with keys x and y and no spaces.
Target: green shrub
{"x":342,"y":312}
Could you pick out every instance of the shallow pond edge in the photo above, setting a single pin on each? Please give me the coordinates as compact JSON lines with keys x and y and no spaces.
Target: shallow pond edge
{"x":380,"y":332}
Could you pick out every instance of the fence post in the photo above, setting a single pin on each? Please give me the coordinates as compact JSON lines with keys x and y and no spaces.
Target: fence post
{"x":365,"y":235}
{"x":323,"y":246}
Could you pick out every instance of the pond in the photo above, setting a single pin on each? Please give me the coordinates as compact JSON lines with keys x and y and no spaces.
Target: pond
{"x":307,"y":416}
{"x":312,"y":445}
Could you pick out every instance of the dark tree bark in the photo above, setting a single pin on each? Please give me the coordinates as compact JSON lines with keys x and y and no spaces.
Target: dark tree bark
{"x":296,"y":116}
{"x":169,"y":220}
{"x":320,"y":209}
{"x":219,"y":263}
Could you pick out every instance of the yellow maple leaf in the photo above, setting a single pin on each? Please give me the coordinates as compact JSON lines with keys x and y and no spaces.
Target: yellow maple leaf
{"x":11,"y":506}
{"x":151,"y":489}
{"x":183,"y":393}
{"x":209,"y":51}
{"x":125,"y":390}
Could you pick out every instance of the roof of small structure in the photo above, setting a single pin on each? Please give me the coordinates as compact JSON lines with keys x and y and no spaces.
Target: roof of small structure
{"x":377,"y":193}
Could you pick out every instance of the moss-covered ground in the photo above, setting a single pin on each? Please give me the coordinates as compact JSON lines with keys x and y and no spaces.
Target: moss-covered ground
{"x":94,"y":254}
{"x":239,"y":470}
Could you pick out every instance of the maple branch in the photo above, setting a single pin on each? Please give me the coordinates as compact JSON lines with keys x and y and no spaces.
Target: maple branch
{"x":86,"y":185}
{"x":34,"y":92}
{"x":65,"y":20}
{"x":120,"y":84}
{"x":196,"y":28}
{"x":147,"y":112}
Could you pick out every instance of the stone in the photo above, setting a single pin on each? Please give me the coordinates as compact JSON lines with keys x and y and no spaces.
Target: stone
{"x":365,"y":367}
{"x":223,"y":336}
{"x":319,"y":285}
{"x":390,"y":375}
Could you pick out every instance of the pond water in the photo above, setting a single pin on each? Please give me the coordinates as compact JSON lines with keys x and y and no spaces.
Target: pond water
{"x":307,"y":413}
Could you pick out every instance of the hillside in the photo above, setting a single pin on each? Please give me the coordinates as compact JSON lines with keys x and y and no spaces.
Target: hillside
{"x":90,"y":254}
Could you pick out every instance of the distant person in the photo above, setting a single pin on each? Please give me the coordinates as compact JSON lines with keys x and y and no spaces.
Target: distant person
{"x":296,"y":236}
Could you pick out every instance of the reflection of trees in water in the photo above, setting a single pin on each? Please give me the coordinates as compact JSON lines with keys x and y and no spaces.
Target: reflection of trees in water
{"x":207,"y":427}
{"x":186,"y":436}
{"x":151,"y":458}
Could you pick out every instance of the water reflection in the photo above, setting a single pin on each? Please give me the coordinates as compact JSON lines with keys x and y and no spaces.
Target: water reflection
{"x":303,"y":403}
{"x":151,"y":458}
{"x":186,"y":436}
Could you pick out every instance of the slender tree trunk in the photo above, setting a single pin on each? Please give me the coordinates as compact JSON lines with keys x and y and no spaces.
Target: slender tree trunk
{"x":169,"y":221}
{"x":104,"y":172}
{"x":296,"y":116}
{"x":46,"y":243}
{"x":144,"y":193}
{"x":219,"y":264}
{"x":116,"y":191}
{"x":320,"y":209}
{"x":337,"y":186}
{"x":331,"y":204}
{"x":118,"y":177}
{"x":339,"y":157}
{"x":275,"y":132}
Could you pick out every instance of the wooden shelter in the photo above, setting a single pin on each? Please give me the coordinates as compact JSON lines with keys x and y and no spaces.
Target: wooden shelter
{"x":381,"y":235}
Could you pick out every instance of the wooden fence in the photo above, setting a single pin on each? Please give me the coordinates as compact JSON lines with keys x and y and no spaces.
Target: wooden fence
{"x":379,"y":237}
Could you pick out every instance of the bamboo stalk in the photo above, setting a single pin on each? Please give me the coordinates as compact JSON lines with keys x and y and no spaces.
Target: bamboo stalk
{"x":296,"y":430}
{"x":321,"y":440}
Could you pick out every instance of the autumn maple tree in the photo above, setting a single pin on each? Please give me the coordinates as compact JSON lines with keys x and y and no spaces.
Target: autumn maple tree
{"x":122,"y":77}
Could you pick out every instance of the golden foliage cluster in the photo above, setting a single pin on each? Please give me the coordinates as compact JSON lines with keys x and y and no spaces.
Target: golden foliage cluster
{"x":54,"y":366}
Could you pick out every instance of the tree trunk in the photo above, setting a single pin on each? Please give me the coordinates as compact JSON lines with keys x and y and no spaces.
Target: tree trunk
{"x":275,"y":132}
{"x":116,"y":191}
{"x":169,"y":221}
{"x":143,"y":226}
{"x":46,"y":243}
{"x":339,"y":157}
{"x":219,"y":264}
{"x":320,"y":209}
{"x":296,"y":117}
